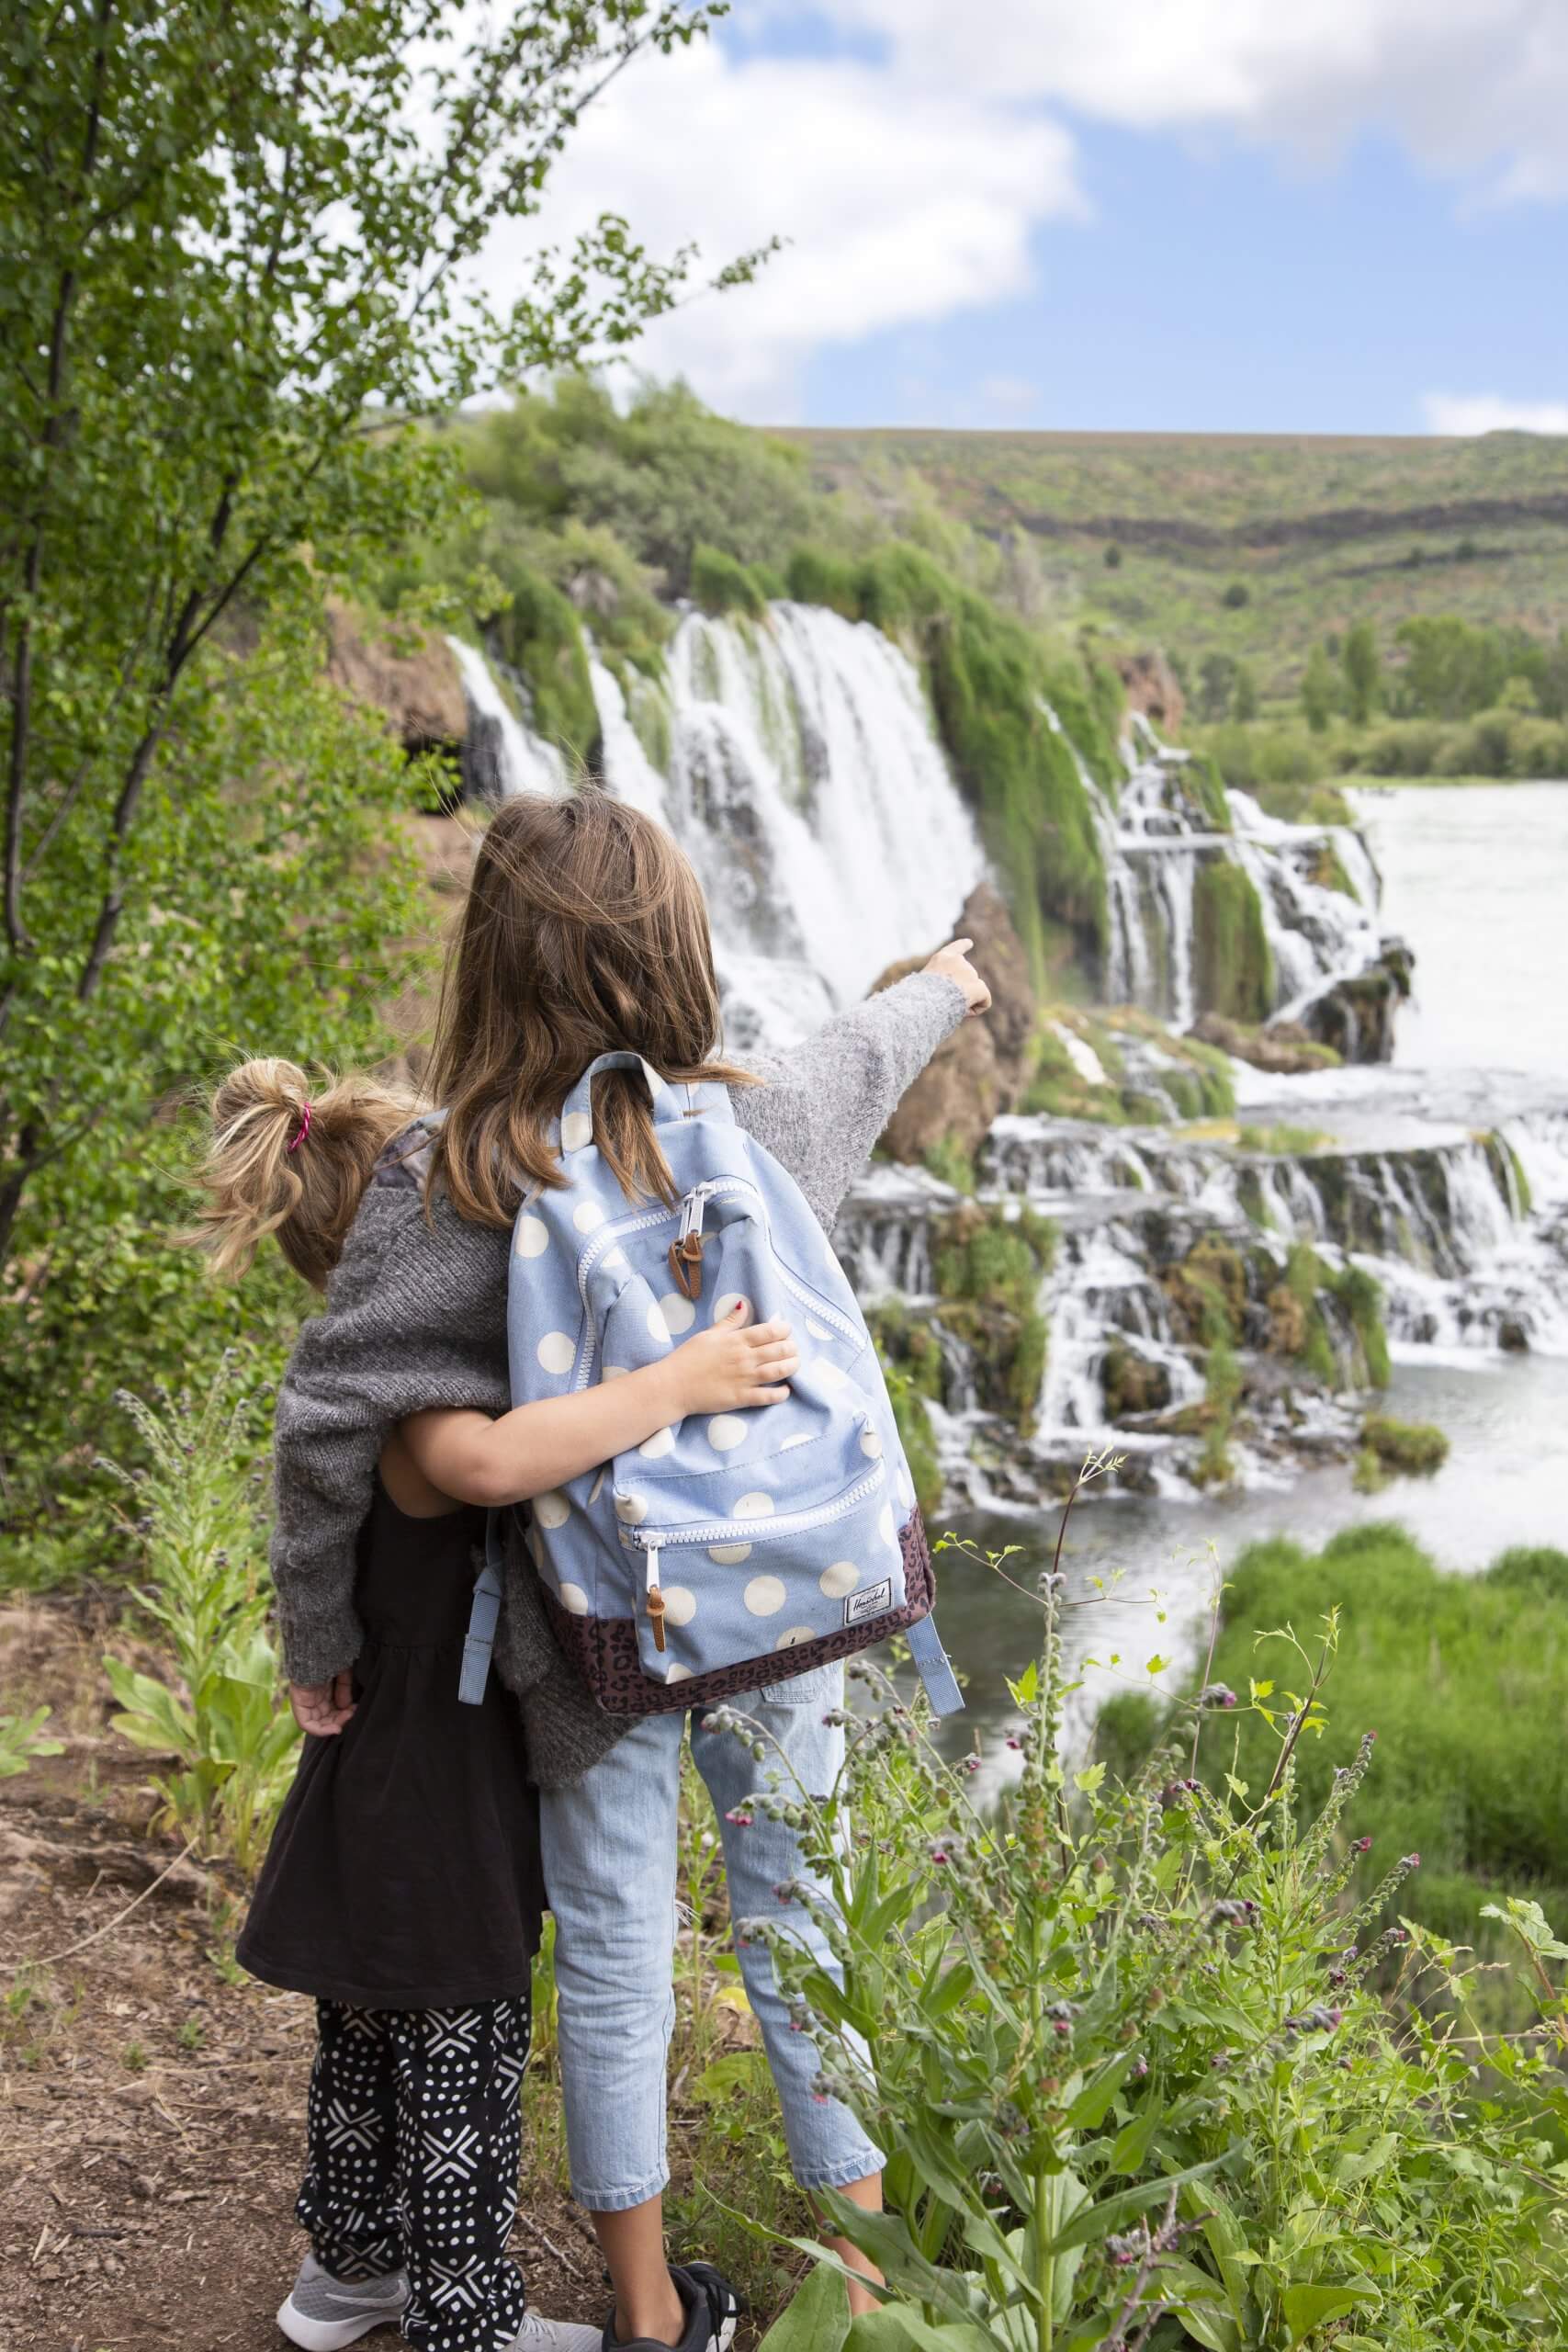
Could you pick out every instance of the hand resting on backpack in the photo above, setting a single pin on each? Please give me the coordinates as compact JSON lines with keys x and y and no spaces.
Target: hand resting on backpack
{"x":535,"y":1448}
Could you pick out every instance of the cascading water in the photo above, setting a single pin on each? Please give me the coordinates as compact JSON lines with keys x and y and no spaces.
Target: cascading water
{"x":522,"y":762}
{"x":1154,"y":839}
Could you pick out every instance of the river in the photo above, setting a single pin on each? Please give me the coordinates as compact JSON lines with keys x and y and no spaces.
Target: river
{"x":1475,"y":878}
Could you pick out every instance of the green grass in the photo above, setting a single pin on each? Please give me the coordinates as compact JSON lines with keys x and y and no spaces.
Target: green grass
{"x":1464,"y":1680}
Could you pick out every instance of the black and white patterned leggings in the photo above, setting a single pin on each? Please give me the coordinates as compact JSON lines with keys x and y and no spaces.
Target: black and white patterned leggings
{"x":414,"y":2136}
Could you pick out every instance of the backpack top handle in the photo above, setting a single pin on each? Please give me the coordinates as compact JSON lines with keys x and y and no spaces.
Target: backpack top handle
{"x":577,"y":1118}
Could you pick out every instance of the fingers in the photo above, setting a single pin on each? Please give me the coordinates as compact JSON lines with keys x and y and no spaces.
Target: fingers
{"x":762,"y":1334}
{"x":767,"y":1397}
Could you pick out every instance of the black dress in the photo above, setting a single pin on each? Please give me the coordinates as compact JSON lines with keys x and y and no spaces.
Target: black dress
{"x":404,"y":1870}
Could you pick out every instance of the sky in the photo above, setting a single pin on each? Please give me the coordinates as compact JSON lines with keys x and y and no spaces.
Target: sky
{"x":1286,"y":216}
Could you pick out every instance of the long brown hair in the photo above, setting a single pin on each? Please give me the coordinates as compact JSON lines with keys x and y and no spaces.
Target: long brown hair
{"x":584,"y":932}
{"x":292,"y":1159}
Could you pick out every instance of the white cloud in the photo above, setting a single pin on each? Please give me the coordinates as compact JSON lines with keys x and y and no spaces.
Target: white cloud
{"x":1466,"y":412}
{"x":911,"y":188}
{"x":1475,"y":87}
{"x":903,"y":206}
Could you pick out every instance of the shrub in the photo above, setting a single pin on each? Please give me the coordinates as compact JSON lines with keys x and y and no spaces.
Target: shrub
{"x":1123,"y":2048}
{"x":1410,"y":1449}
{"x":722,"y":586}
{"x":1237,"y":594}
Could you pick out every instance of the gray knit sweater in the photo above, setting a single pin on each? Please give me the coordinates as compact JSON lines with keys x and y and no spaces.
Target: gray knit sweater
{"x":416,"y":1317}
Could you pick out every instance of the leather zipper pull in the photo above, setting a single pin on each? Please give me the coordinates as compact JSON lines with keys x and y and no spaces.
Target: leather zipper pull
{"x":655,"y":1599}
{"x":687,"y":1265}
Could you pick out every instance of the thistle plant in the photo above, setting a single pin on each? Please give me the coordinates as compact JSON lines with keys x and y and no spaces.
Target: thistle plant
{"x":1126,"y":2051}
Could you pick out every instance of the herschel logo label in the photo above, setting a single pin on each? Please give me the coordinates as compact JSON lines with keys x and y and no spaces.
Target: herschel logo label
{"x":873,"y":1602}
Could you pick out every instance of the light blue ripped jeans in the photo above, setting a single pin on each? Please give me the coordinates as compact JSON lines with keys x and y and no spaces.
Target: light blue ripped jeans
{"x":610,"y":1864}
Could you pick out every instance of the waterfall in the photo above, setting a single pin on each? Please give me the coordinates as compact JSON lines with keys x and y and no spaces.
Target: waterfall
{"x":522,"y":761}
{"x":1155,"y":839}
{"x":805,"y":783}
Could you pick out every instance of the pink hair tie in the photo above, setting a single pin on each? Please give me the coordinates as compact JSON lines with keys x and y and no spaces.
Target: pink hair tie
{"x":304,"y":1129}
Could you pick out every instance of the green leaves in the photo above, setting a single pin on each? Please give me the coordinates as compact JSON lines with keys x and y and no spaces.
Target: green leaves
{"x":1305,"y":2308}
{"x":21,"y":1738}
{"x":816,"y":2318}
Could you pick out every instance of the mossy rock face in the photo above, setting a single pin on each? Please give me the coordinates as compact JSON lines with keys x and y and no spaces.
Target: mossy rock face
{"x":1209,"y":1291}
{"x":1132,"y":1383}
{"x":988,"y":1269}
{"x":1233,"y":970}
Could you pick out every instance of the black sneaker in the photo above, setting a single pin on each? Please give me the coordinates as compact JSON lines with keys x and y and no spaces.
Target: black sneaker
{"x":712,"y":2309}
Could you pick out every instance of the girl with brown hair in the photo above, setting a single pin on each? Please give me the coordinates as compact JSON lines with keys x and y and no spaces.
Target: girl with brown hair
{"x":584,"y":932}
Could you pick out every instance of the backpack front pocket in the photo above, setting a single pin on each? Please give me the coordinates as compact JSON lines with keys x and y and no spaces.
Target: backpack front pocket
{"x":714,"y":1593}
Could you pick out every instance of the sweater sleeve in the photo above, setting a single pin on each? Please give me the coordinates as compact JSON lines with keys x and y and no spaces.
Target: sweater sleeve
{"x":823,"y":1104}
{"x":416,"y":1317}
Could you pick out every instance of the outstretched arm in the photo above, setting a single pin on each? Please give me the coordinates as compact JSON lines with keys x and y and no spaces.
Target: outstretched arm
{"x":537,"y":1446}
{"x":822,"y":1105}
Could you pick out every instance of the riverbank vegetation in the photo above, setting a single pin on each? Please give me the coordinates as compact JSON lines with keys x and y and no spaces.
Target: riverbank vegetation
{"x":1460,"y":1677}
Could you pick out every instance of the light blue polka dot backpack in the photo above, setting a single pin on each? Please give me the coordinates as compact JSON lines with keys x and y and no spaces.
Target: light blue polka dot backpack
{"x":676,"y":1575}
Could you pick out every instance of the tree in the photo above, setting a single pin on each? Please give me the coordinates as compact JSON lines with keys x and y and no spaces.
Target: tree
{"x":1320,"y":690}
{"x":1451,"y":669}
{"x":235,"y":265}
{"x":1237,"y":595}
{"x":1363,"y":673}
{"x":1243,"y":695}
{"x":1113,"y":558}
{"x":1216,"y":685}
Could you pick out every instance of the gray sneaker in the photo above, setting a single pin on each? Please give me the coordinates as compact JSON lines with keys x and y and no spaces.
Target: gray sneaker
{"x":323,"y":2313}
{"x":538,"y":2334}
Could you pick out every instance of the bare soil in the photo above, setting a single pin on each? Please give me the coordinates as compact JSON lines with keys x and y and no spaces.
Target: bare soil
{"x":151,"y":2095}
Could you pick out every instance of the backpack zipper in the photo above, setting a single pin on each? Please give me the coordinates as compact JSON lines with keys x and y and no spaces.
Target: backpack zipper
{"x":691,"y":1212}
{"x":750,"y":1531}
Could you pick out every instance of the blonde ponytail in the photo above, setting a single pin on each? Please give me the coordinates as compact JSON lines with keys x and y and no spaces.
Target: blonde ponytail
{"x":291,"y":1160}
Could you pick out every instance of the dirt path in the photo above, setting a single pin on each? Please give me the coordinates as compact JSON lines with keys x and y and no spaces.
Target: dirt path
{"x":151,"y":2096}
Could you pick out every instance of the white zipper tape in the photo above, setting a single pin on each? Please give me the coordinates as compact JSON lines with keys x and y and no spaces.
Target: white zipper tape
{"x":756,"y":1530}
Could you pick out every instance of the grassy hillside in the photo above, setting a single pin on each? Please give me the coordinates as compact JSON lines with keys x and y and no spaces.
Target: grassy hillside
{"x":1150,"y":531}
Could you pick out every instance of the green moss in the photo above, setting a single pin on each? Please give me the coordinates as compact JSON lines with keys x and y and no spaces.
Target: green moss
{"x":1360,"y":1295}
{"x":948,"y":1162}
{"x":722,"y":587}
{"x":1233,"y":970}
{"x":1281,"y":1140}
{"x":539,"y":634}
{"x":916,"y":1436}
{"x":987,"y":1271}
{"x":1509,"y":1173}
{"x":1405,"y":1449}
{"x":1204,"y":786}
{"x":1328,"y":870}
